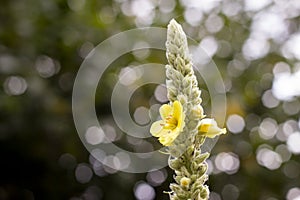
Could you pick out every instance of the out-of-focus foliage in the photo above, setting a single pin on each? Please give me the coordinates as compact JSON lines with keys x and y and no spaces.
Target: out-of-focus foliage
{"x":255,"y":45}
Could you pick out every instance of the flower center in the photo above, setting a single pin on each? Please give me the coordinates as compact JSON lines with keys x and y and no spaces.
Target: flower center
{"x":204,"y":128}
{"x":170,"y":122}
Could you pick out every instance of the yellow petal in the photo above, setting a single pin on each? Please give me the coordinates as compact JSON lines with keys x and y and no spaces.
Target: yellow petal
{"x":177,"y":110}
{"x":216,"y":132}
{"x":168,"y":138}
{"x":181,"y":123}
{"x":208,"y":121}
{"x":156,"y":128}
{"x":166,"y":141}
{"x":204,"y":128}
{"x":165,"y":110}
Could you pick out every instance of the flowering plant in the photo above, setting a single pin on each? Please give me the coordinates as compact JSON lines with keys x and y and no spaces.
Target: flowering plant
{"x":183,"y":127}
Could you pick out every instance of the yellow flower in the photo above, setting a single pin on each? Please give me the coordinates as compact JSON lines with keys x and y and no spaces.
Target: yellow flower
{"x":171,"y":125}
{"x":209,"y":128}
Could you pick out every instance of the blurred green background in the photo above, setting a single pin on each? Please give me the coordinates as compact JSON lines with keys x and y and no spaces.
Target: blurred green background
{"x":255,"y":44}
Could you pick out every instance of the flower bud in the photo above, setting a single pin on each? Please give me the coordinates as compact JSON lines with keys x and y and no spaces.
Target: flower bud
{"x":185,"y":182}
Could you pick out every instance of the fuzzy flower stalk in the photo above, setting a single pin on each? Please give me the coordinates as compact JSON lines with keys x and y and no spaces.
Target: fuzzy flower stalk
{"x":183,"y":126}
